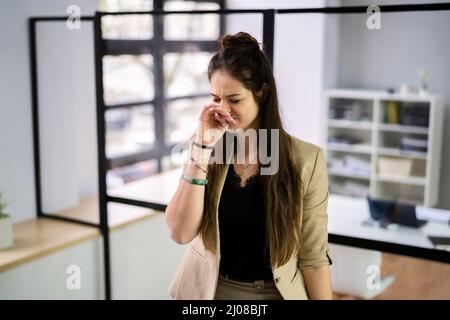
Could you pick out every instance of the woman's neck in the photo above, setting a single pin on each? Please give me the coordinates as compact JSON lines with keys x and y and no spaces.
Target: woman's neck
{"x":247,"y":148}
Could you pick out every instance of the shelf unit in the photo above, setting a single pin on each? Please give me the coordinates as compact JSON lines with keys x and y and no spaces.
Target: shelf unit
{"x":365,"y":127}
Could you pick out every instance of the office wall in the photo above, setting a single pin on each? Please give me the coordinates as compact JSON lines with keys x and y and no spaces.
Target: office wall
{"x":309,"y":40}
{"x":304,"y":61}
{"x":299,"y":84}
{"x":16,"y":151}
{"x":385,"y":58}
{"x":141,"y":267}
{"x":144,"y":259}
{"x":46,"y":277}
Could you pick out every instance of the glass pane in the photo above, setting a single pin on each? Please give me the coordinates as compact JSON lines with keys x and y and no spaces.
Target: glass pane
{"x":192,"y":26}
{"x":186,"y":73}
{"x":128,"y":78}
{"x":125,"y":5}
{"x":129,"y":130}
{"x":189,"y":5}
{"x":118,"y":177}
{"x":127,"y":27}
{"x":172,"y":162}
{"x":182,"y":118}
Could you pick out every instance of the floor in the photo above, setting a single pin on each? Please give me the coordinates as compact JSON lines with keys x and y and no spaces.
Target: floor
{"x":415,"y":279}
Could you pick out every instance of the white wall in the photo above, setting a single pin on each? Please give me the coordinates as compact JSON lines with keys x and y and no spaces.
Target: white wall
{"x":46,"y":277}
{"x":301,"y":49}
{"x":315,"y":51}
{"x":387,"y":57}
{"x":299,"y":86}
{"x":144,"y":258}
{"x":143,"y":261}
{"x":16,"y":151}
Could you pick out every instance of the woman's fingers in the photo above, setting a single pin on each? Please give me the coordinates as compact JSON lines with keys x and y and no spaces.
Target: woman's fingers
{"x":206,"y":112}
{"x":213,"y":116}
{"x":225,"y":115}
{"x":220,"y":119}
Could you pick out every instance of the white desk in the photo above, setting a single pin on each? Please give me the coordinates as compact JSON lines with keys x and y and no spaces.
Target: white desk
{"x":346,"y":215}
{"x":158,"y":188}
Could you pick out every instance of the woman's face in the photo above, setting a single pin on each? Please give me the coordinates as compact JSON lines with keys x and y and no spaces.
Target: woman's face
{"x":234,"y":98}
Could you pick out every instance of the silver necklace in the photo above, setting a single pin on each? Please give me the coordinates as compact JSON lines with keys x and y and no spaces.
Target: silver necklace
{"x":243,"y":167}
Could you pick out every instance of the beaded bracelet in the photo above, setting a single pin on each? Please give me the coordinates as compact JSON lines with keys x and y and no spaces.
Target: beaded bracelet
{"x":196,"y":181}
{"x":202,"y":145}
{"x":199,"y":166}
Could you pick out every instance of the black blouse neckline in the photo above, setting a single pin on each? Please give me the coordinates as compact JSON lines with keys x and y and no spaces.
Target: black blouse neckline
{"x":236,"y":181}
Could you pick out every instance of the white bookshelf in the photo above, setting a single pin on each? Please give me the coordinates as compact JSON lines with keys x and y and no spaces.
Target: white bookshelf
{"x":365,"y":128}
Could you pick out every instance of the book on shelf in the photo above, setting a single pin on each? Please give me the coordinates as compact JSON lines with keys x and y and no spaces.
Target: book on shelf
{"x":413,"y":114}
{"x":392,"y":112}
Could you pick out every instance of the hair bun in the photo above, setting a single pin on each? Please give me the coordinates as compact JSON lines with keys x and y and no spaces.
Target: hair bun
{"x":238,"y":40}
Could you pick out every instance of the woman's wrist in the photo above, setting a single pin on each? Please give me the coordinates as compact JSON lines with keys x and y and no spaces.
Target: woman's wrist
{"x":204,"y":137}
{"x":200,"y":155}
{"x":192,"y":168}
{"x":202,"y":168}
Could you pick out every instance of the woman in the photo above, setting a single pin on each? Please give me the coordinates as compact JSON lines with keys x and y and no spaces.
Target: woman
{"x":251,"y":235}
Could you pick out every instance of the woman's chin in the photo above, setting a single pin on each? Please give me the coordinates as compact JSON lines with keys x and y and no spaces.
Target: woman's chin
{"x":235,"y":125}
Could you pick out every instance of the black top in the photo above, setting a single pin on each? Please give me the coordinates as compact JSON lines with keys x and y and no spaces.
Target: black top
{"x":242,"y":229}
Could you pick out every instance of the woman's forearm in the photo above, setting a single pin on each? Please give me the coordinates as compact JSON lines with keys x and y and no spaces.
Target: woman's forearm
{"x":318,"y":282}
{"x":185,"y":209}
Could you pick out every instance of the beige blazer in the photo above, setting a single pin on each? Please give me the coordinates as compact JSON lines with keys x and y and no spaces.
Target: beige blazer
{"x":197,"y":275}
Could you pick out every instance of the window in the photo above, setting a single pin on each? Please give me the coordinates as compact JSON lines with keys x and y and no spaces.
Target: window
{"x":185,"y":73}
{"x":129,"y":130}
{"x":155,"y":81}
{"x":181,"y":118}
{"x":128,"y":78}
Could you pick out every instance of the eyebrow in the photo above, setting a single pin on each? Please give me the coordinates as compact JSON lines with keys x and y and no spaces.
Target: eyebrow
{"x":230,"y":95}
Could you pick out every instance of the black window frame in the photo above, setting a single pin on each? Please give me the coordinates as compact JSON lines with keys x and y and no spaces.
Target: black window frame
{"x":158,"y":46}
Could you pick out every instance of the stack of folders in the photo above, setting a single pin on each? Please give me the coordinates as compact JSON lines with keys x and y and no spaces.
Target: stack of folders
{"x":342,"y":139}
{"x":440,"y":243}
{"x":351,"y":164}
{"x":346,"y":112}
{"x":356,"y":164}
{"x":414,"y":144}
{"x":350,"y":188}
{"x":433,"y":214}
{"x":441,"y":240}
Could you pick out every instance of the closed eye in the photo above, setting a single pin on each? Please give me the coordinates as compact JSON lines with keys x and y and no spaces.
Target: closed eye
{"x":231,"y":101}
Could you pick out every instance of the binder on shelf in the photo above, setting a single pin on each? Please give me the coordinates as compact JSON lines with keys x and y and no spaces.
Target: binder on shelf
{"x":392,"y":112}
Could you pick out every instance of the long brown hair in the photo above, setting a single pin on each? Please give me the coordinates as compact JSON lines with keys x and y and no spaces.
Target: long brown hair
{"x":241,"y":56}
